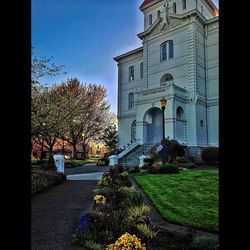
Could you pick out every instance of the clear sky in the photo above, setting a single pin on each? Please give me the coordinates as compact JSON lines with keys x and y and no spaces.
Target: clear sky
{"x":85,"y":35}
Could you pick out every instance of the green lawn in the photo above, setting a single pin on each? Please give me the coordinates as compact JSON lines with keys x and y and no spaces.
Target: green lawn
{"x":189,"y":198}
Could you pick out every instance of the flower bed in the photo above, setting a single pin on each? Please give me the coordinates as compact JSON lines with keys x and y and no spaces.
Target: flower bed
{"x":43,"y":179}
{"x":120,"y":219}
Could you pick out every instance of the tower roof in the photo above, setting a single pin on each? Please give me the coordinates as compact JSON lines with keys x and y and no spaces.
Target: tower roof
{"x":209,"y":2}
{"x":146,"y":2}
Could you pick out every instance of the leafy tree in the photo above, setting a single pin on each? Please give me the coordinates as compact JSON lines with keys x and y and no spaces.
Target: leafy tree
{"x":87,"y":108}
{"x":110,"y":137}
{"x":43,"y":108}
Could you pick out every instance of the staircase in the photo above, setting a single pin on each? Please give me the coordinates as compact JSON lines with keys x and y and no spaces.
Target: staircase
{"x":131,"y":159}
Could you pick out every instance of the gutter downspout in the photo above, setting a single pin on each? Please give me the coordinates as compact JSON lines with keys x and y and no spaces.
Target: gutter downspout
{"x":206,"y":81}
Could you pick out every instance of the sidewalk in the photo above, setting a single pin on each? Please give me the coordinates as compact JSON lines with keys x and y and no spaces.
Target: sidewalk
{"x":56,"y":212}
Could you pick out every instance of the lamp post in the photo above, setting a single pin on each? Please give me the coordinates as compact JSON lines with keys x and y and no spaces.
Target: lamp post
{"x":163,"y":102}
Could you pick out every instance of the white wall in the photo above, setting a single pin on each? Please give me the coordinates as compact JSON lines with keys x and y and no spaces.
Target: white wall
{"x":176,"y":66}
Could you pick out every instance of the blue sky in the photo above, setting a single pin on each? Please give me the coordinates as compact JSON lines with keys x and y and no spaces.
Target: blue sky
{"x":85,"y":36}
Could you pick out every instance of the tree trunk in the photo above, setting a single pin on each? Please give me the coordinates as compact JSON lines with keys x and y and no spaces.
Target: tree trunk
{"x":41,"y":156}
{"x":74,"y":151}
{"x":51,"y":150}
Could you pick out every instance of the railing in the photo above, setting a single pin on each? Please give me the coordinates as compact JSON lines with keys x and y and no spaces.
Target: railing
{"x":148,"y":142}
{"x":129,"y":147}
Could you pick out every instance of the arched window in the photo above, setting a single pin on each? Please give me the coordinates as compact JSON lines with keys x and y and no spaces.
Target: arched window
{"x":184,"y":4}
{"x":158,"y":14}
{"x":131,"y":73}
{"x":130,"y":100}
{"x":150,"y":19}
{"x":167,"y":46}
{"x":167,"y":78}
{"x":179,"y":113}
{"x":174,"y":7}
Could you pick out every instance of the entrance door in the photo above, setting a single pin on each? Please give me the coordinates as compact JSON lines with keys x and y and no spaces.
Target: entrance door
{"x":153,"y":118}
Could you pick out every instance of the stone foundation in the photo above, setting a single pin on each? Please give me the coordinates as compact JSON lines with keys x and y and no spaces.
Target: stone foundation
{"x":194,"y":153}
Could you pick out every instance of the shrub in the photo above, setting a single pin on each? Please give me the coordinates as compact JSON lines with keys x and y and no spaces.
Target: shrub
{"x":210,"y":154}
{"x":102,"y":191}
{"x":180,"y":159}
{"x":50,"y":164}
{"x":135,"y":199}
{"x":92,"y":245}
{"x":137,"y":214}
{"x":169,"y":168}
{"x":187,"y":165}
{"x":136,"y":169}
{"x":127,"y":241}
{"x":42,"y":162}
{"x":41,"y":180}
{"x":174,"y":149}
{"x":148,"y":162}
{"x":146,"y":231}
{"x":103,"y":162}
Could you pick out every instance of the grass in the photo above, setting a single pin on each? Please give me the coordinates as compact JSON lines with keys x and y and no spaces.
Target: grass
{"x":190,"y":198}
{"x":76,"y":163}
{"x":68,"y":162}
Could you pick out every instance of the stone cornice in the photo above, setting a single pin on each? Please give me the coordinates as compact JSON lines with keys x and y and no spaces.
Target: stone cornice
{"x":127,"y":54}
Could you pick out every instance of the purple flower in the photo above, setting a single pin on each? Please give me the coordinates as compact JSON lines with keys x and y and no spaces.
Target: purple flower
{"x":84,"y":222}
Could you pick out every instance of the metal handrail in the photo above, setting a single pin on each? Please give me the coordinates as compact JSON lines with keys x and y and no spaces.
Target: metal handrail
{"x":128,"y":145}
{"x":143,"y":145}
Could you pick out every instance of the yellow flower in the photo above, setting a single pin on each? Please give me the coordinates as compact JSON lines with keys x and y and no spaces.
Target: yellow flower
{"x":100,"y":199}
{"x":127,"y":242}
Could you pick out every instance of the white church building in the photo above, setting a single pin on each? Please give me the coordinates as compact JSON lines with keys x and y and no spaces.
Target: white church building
{"x":178,"y":60}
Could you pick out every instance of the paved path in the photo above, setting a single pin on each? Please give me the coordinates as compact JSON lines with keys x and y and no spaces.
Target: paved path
{"x":56,"y":211}
{"x":88,"y":168}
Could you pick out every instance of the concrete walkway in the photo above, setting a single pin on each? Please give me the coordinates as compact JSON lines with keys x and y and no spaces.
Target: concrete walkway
{"x":57,"y":211}
{"x":88,"y":176}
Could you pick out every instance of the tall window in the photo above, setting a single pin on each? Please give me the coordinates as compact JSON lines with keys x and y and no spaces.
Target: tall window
{"x":184,"y":5}
{"x":158,"y":14}
{"x":131,"y":73}
{"x":130,"y":100}
{"x":174,"y":7}
{"x":201,"y":9}
{"x":164,"y":51}
{"x":150,"y":19}
{"x":170,"y":49}
{"x":167,"y":47}
{"x":141,"y":70}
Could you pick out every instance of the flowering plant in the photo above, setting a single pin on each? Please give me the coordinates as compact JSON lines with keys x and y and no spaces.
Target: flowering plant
{"x":100,"y":199}
{"x":83,"y":224}
{"x":127,"y":242}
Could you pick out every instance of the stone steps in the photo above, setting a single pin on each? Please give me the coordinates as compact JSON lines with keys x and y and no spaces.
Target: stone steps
{"x":132,"y":158}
